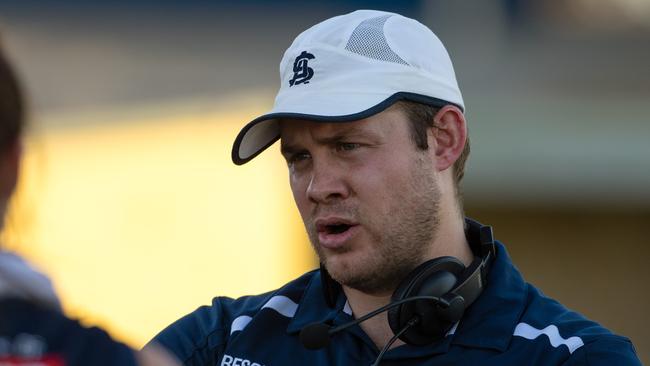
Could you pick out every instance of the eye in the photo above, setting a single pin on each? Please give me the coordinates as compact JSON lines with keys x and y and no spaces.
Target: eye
{"x":298,"y":157}
{"x":347,"y":146}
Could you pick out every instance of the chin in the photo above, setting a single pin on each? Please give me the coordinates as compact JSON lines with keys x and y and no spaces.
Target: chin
{"x":346,"y":269}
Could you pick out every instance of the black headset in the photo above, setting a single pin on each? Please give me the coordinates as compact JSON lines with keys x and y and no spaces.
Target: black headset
{"x":443,"y":277}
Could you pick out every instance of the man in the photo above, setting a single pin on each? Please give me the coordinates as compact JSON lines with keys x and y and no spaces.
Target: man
{"x":33,"y":329}
{"x":371,"y":124}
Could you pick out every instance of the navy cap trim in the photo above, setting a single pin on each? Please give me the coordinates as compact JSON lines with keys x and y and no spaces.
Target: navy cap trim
{"x":413,"y":97}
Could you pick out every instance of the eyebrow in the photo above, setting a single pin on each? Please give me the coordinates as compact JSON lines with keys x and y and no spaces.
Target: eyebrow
{"x":286,"y":149}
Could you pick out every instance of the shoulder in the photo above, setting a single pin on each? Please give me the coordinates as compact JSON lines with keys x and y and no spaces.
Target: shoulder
{"x":48,"y":334}
{"x":605,"y":350}
{"x":200,"y":336}
{"x":550,"y":323}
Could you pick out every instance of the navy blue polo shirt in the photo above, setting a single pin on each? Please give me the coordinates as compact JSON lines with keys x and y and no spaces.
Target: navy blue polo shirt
{"x":511,"y":323}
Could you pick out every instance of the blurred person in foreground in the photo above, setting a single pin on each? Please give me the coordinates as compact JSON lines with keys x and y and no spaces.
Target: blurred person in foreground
{"x":371,"y":124}
{"x":33,"y":329}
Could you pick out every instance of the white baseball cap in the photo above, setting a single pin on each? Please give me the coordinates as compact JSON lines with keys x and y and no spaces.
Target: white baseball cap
{"x":351,"y":67}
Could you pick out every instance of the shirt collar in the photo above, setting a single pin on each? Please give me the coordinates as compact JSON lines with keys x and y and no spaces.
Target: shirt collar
{"x":312,"y":307}
{"x":488,"y":323}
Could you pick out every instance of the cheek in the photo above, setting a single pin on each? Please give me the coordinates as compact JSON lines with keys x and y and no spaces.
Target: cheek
{"x":381,"y":179}
{"x":374,"y":193}
{"x":299,"y":191}
{"x":384,"y":193}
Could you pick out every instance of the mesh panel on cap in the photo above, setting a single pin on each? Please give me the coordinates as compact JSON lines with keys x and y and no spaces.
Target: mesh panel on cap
{"x":368,"y":40}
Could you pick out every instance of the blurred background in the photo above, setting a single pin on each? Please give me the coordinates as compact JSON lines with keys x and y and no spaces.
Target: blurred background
{"x":128,"y":198}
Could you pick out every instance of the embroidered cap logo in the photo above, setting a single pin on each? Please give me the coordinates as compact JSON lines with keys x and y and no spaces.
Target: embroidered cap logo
{"x":302,"y":73}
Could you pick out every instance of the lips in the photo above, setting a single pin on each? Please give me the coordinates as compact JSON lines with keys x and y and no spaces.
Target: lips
{"x":334,"y":232}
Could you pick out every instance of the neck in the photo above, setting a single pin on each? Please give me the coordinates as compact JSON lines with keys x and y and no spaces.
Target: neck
{"x":450,"y":240}
{"x":450,"y":237}
{"x":377,"y":327}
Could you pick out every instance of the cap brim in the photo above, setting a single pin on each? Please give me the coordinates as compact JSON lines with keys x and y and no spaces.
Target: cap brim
{"x":264,"y":131}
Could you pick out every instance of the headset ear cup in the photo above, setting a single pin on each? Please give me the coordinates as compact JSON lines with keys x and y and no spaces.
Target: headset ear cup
{"x":433,"y":278}
{"x":403,"y":291}
{"x":456,"y":308}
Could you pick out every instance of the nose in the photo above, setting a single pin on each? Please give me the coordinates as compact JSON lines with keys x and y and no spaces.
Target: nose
{"x":327,"y":183}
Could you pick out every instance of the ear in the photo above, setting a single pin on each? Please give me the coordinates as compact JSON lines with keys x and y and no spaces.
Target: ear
{"x":447,"y":138}
{"x":9,"y":166}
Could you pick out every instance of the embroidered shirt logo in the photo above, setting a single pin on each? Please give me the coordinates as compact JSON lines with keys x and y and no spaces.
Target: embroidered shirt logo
{"x":302,"y":73}
{"x":229,"y":360}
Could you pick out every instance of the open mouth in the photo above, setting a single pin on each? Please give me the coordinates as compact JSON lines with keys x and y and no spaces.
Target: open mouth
{"x":337,"y":228}
{"x":334,"y":233}
{"x":333,"y":226}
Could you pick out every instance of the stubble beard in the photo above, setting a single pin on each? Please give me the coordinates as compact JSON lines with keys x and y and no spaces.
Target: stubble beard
{"x":400,"y":240}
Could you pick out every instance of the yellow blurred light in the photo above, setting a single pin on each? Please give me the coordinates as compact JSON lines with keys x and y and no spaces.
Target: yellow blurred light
{"x":138,"y":222}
